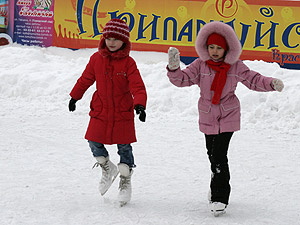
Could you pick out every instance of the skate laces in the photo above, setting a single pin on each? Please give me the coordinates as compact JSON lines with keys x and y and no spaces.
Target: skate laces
{"x":103,"y":166}
{"x":124,"y":182}
{"x":97,"y":164}
{"x":105,"y":171}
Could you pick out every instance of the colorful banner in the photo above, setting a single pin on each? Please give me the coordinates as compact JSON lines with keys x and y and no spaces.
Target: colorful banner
{"x":268,"y":30}
{"x":4,"y":37}
{"x":3,"y":15}
{"x":33,"y":22}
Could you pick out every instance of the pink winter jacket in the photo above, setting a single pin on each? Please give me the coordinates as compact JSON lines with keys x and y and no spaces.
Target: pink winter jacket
{"x":224,"y":117}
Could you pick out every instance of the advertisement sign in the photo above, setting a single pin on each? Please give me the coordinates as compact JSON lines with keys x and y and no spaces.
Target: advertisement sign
{"x":3,"y":15}
{"x":268,"y":30}
{"x":33,"y":22}
{"x":4,"y":37}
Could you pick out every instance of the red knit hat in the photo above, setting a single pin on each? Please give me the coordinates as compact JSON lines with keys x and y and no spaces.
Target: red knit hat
{"x":217,"y":39}
{"x":116,"y":28}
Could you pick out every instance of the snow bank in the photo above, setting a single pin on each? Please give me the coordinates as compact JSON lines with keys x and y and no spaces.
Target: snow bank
{"x":31,"y":74}
{"x":45,"y":163}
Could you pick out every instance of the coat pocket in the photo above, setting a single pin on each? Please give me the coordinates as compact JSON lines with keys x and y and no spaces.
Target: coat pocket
{"x":125,"y":108}
{"x":126,"y":103}
{"x":96,"y":106}
{"x":230,"y":110}
{"x":230,"y":105}
{"x":205,"y":115}
{"x":203,"y":108}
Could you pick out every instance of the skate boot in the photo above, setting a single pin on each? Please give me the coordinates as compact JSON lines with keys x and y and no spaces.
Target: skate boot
{"x":109,"y":173}
{"x":209,"y":196}
{"x":217,"y":208}
{"x":125,"y":184}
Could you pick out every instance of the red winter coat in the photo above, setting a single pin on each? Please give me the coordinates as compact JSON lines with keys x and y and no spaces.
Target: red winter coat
{"x":119,"y":88}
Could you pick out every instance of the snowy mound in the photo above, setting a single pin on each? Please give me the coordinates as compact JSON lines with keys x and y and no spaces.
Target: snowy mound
{"x":32,"y":74}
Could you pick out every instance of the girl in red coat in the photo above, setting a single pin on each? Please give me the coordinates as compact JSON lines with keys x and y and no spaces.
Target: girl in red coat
{"x":119,"y":91}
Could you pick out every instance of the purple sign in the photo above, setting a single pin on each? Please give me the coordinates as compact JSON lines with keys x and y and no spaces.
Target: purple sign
{"x":33,"y":22}
{"x":4,"y":37}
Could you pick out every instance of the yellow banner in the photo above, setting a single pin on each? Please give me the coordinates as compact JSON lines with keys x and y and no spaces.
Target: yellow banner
{"x":268,"y":30}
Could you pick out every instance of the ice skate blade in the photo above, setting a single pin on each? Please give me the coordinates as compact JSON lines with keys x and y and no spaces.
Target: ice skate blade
{"x":123,"y":203}
{"x":112,"y":181}
{"x":218,"y":213}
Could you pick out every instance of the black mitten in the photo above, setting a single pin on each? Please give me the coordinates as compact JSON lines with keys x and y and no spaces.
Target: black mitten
{"x":139,"y":109}
{"x":72,"y":104}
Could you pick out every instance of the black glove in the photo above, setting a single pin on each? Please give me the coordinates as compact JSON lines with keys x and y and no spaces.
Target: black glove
{"x":72,"y":104}
{"x":139,"y":109}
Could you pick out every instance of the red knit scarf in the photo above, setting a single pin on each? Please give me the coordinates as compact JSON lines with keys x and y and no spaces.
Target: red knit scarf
{"x":219,"y":81}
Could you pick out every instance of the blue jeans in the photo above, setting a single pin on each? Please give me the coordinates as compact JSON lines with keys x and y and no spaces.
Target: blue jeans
{"x":124,"y":151}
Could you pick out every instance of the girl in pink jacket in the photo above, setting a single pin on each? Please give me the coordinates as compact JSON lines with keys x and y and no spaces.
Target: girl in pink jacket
{"x":217,"y":72}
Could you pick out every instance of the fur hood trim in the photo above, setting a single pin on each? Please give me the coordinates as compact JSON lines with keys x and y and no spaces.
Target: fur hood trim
{"x":121,"y":53}
{"x":234,"y":45}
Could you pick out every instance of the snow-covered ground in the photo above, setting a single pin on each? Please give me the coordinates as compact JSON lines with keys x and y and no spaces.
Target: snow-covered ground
{"x":46,"y":174}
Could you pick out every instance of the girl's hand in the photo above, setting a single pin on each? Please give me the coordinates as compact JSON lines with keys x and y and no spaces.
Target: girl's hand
{"x":277,"y":85}
{"x":72,"y":104}
{"x":174,"y":58}
{"x":140,"y":110}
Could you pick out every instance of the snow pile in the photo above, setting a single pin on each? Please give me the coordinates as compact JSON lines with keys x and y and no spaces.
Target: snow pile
{"x":45,"y":163}
{"x":48,"y":74}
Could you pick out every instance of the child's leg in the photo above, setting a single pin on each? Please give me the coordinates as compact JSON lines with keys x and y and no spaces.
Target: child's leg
{"x":217,"y":148}
{"x":98,"y":149}
{"x":125,"y":167}
{"x":126,"y":155}
{"x":109,"y":170}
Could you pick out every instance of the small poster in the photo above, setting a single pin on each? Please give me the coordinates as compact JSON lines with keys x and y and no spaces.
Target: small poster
{"x":4,"y":37}
{"x":3,"y":15}
{"x":33,"y":22}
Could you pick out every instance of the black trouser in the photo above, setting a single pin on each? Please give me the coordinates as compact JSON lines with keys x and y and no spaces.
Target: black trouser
{"x":217,"y":148}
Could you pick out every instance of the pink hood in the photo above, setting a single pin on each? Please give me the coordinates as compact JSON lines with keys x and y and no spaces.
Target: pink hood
{"x":235,"y":47}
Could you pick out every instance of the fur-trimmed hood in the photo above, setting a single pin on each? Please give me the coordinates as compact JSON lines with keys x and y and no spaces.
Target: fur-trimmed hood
{"x":234,"y":45}
{"x":121,"y":53}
